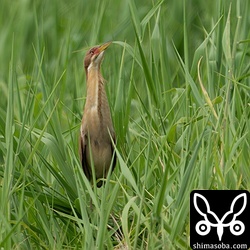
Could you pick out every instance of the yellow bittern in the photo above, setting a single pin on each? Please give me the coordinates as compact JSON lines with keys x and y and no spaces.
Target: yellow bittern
{"x":97,"y":131}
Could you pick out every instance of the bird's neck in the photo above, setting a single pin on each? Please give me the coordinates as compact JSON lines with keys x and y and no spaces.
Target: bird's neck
{"x":95,"y":88}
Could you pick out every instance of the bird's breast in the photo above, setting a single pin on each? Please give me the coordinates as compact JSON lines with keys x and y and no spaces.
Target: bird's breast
{"x":92,"y":120}
{"x":97,"y":124}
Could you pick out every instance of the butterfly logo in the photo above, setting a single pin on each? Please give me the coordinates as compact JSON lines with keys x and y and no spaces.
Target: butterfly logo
{"x":210,"y":219}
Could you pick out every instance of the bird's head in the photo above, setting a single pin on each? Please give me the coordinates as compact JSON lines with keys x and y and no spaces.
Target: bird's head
{"x":94,"y":56}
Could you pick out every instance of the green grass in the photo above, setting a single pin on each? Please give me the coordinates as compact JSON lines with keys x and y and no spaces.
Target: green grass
{"x":178,"y":76}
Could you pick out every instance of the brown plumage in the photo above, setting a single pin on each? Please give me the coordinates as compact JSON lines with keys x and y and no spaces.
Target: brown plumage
{"x":96,"y":129}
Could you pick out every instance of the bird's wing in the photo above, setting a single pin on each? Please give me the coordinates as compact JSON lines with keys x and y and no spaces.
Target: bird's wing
{"x":82,"y":152}
{"x":112,"y":147}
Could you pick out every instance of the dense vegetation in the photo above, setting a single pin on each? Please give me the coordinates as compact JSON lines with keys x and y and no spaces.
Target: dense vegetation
{"x":178,"y":84}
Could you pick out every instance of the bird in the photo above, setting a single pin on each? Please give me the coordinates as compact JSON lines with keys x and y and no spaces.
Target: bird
{"x":97,"y":134}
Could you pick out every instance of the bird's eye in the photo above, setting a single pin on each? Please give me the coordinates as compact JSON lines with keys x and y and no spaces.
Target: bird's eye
{"x":91,"y":52}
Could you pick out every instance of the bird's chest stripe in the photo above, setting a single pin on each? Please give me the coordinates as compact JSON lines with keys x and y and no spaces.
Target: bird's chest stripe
{"x":95,"y":87}
{"x":96,"y":91}
{"x":95,"y":105}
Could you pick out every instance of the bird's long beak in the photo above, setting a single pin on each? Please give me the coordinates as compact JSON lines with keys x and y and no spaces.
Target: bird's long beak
{"x":103,"y":47}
